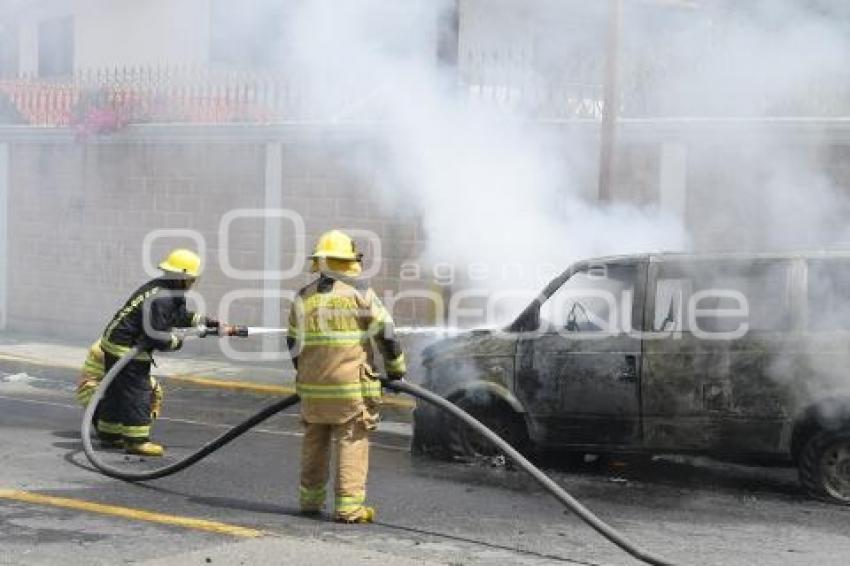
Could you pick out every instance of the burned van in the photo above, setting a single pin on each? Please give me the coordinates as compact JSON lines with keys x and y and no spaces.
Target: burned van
{"x":743,"y":357}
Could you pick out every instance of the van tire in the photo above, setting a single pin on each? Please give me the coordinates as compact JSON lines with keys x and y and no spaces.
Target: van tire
{"x":426,"y":442}
{"x":496,"y":415}
{"x":824,"y":466}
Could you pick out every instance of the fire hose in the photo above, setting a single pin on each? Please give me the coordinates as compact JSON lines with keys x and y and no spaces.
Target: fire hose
{"x":567,"y":500}
{"x":203,"y":452}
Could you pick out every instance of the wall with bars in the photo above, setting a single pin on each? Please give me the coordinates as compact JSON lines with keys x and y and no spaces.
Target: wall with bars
{"x":79,"y":212}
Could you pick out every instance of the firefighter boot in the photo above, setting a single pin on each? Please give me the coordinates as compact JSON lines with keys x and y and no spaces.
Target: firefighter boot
{"x":366,"y":515}
{"x":145,"y":449}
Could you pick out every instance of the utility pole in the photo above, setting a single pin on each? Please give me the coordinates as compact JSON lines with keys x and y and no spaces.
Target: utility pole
{"x":611,"y":99}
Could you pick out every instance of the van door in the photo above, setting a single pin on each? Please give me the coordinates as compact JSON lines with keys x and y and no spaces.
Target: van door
{"x":713,"y":367}
{"x":579,"y":377}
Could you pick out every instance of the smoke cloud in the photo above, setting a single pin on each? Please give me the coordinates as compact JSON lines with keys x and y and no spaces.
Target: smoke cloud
{"x":495,"y":187}
{"x":490,"y":189}
{"x":774,"y":75}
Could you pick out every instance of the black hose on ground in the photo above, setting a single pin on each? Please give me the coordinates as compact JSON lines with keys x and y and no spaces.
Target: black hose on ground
{"x":545,"y":481}
{"x":206,"y":450}
{"x":400,"y":386}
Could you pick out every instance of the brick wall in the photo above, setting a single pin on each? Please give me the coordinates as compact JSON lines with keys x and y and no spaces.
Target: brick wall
{"x":80,"y":213}
{"x":321,"y":183}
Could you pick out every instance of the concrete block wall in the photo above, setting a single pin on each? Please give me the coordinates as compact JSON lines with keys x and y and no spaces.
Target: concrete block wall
{"x":321,"y":185}
{"x":80,"y":212}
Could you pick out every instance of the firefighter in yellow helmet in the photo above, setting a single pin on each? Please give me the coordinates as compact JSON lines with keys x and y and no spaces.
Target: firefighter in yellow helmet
{"x":332,"y":324}
{"x":147,"y":319}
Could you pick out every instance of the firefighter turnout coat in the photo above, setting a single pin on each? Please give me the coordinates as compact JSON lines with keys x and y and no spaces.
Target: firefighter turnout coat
{"x":332,"y":325}
{"x":146,"y":320}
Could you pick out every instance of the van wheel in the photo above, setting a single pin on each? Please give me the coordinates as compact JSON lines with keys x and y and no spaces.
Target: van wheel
{"x":496,"y":415}
{"x":425,"y":444}
{"x":825,"y":466}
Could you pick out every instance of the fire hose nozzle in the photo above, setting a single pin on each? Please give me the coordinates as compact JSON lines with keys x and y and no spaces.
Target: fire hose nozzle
{"x":233,"y":330}
{"x":222,"y":330}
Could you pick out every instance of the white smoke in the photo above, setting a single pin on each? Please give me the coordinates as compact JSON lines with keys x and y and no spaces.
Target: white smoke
{"x":500,"y":189}
{"x":495,"y":189}
{"x":772,"y":76}
{"x":490,"y":189}
{"x":759,"y":58}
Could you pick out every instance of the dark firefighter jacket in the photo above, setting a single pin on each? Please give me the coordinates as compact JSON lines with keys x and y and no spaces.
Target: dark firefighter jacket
{"x":147,"y":320}
{"x":332,"y":324}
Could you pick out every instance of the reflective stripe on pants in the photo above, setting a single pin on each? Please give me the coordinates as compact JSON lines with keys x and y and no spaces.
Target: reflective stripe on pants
{"x":139,"y":432}
{"x":348,"y":391}
{"x":110,"y":428}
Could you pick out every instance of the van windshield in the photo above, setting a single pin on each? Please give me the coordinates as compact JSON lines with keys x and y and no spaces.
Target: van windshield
{"x":599,"y":299}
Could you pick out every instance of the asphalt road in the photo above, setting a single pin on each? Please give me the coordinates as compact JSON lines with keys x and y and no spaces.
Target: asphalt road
{"x":694,"y":512}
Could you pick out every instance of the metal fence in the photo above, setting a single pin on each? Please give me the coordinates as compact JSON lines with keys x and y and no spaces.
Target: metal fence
{"x":148,"y":94}
{"x":510,"y":81}
{"x":507,"y":81}
{"x":649,"y":87}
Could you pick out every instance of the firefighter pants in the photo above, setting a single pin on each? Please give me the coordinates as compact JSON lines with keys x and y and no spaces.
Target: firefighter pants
{"x":125,"y":411}
{"x":351,"y":441}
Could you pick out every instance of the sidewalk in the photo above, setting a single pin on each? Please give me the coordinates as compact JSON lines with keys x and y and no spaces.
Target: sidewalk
{"x":178,"y":368}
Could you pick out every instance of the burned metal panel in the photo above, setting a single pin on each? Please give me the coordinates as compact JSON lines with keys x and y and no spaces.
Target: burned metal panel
{"x":587,"y":376}
{"x":536,"y":380}
{"x":722,"y":396}
{"x":705,"y":385}
{"x":822,"y":371}
{"x":478,"y":356}
{"x":588,"y":390}
{"x":744,"y":395}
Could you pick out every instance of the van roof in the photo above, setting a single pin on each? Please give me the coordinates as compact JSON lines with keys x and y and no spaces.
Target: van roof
{"x":657,"y":257}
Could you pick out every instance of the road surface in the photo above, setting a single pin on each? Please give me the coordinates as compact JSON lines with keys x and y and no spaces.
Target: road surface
{"x":240,"y":505}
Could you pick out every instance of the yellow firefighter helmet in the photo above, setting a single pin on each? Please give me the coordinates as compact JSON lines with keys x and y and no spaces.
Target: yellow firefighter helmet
{"x":336,"y":245}
{"x":182,"y":262}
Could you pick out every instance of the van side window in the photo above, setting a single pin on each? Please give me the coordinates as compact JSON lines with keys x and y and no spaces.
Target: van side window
{"x":828,"y":295}
{"x":670,"y":304}
{"x":712,"y":293}
{"x":598,"y":300}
